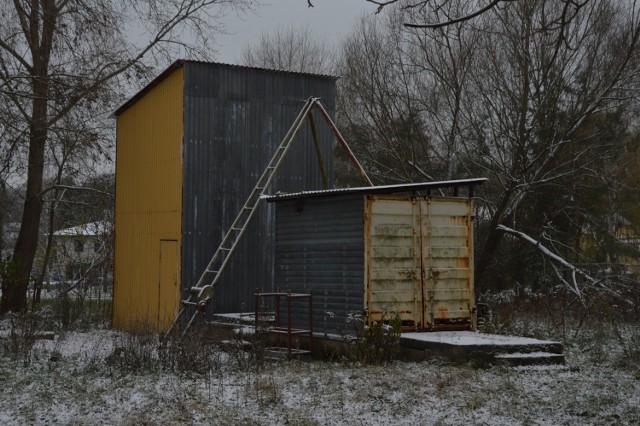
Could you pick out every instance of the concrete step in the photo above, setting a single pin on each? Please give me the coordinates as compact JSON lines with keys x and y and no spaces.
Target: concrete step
{"x":236,"y":344}
{"x":275,"y":353}
{"x":530,"y":358}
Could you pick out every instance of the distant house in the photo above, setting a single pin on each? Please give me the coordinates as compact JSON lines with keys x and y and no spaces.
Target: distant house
{"x":626,"y":237}
{"x":9,"y":236}
{"x":81,"y":249}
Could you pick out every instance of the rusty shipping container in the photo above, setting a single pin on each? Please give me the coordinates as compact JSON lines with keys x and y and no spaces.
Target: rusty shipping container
{"x":373,"y":250}
{"x":190,"y":147}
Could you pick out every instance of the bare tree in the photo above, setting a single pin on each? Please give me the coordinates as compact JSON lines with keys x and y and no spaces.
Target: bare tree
{"x":57,"y":56}
{"x":512,"y":97}
{"x":379,"y":108}
{"x":291,"y":49}
{"x":544,"y":77}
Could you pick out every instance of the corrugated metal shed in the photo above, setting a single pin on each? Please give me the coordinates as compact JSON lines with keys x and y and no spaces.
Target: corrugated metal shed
{"x":363,"y":249}
{"x":233,"y":118}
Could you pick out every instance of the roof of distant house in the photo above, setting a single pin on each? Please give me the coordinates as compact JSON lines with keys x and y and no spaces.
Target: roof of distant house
{"x":87,"y":230}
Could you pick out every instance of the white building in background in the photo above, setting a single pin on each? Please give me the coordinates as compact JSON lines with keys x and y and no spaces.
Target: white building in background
{"x":9,"y":236}
{"x":83,"y":251}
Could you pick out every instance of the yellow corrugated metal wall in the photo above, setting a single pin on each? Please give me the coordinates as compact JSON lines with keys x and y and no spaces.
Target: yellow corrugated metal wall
{"x":149,"y":208}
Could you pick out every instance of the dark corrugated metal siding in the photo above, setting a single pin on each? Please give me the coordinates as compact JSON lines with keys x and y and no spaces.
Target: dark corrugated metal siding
{"x":320,"y":250}
{"x":234,"y":119}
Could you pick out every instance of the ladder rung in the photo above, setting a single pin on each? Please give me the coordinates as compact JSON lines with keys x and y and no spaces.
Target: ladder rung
{"x":196,"y":290}
{"x":237,"y":229}
{"x":248,"y":208}
{"x":225,"y":249}
{"x":211,"y":271}
{"x":186,"y":302}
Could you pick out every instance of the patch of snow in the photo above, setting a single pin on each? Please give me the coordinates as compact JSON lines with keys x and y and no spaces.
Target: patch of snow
{"x":244,"y":331}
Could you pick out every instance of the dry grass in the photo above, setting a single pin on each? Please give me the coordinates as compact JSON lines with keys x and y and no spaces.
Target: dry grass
{"x":110,"y":377}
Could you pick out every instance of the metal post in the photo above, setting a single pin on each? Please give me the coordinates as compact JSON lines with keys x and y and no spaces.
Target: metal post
{"x":277,"y":318}
{"x":289,"y":324}
{"x":310,"y":325}
{"x":350,"y":154}
{"x":316,"y":143}
{"x":257,"y":297}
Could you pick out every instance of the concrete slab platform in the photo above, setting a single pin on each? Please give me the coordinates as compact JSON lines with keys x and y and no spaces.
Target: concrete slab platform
{"x":473,"y":346}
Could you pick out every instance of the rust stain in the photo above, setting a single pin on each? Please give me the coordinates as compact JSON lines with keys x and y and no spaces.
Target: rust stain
{"x":459,"y":220}
{"x":462,"y":262}
{"x":443,"y":312}
{"x":367,"y":242}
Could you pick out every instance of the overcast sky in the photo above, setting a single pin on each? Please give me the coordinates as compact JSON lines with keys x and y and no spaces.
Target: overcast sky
{"x":331,"y":19}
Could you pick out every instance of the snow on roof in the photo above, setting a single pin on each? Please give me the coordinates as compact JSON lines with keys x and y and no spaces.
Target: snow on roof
{"x":87,"y":230}
{"x":385,"y":189}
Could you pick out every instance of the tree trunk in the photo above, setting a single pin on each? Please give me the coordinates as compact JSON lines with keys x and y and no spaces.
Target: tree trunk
{"x":37,"y":285}
{"x":39,"y":23}
{"x":3,"y":210}
{"x":14,"y":287}
{"x":493,"y":240}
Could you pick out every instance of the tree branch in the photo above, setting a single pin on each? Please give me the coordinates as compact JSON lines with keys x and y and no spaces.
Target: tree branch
{"x":478,"y":12}
{"x":573,"y":286}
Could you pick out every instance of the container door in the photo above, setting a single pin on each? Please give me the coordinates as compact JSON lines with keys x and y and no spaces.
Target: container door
{"x":393,"y":278}
{"x":168,"y":285}
{"x":447,"y":254}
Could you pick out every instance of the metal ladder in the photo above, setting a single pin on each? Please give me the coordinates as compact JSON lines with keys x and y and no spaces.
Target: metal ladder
{"x":201,"y":294}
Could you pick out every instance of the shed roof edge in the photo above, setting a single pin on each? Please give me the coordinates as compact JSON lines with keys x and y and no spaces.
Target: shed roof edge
{"x":384,"y":189}
{"x":180,"y":63}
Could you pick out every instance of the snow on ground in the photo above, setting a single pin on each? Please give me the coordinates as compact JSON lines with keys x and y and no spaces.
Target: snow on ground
{"x":71,"y":380}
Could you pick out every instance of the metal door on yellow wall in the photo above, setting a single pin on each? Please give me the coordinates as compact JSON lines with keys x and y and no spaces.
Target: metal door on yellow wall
{"x":168,"y":284}
{"x":418,"y":261}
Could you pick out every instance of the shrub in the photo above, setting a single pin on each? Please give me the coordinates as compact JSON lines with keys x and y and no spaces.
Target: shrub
{"x":375,"y":344}
{"x":26,"y":328}
{"x":151,"y":351}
